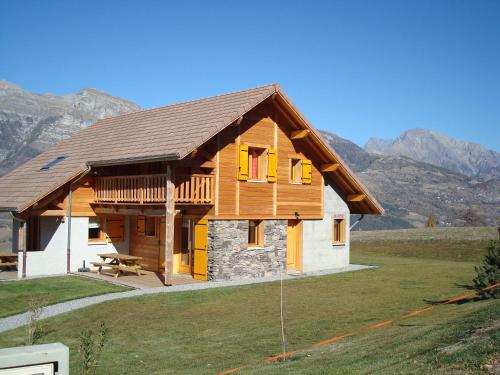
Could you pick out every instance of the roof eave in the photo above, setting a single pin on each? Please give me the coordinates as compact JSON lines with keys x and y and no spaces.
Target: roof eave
{"x":377,"y":208}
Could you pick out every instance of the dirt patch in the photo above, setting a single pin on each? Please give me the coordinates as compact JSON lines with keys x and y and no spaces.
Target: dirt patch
{"x":477,"y":335}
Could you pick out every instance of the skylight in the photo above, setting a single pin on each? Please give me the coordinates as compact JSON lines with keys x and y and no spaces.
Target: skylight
{"x":52,"y":163}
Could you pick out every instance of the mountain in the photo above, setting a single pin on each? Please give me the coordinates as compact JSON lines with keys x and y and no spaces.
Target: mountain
{"x":409,"y":187}
{"x":30,"y":123}
{"x":428,"y":146}
{"x":357,"y":158}
{"x":411,"y":190}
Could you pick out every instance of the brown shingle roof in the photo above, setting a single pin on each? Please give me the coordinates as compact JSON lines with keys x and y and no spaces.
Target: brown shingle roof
{"x":167,"y":132}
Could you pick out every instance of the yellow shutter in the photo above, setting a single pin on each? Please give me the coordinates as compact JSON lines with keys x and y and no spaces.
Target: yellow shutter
{"x":272,"y":165}
{"x":243,"y":163}
{"x":306,"y":171}
{"x":114,"y":227}
{"x":200,"y":267}
{"x":141,"y":225}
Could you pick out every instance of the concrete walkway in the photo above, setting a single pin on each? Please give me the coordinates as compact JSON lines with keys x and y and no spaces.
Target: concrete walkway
{"x":19,"y":320}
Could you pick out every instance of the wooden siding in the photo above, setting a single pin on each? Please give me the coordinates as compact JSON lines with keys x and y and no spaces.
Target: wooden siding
{"x":82,"y":197}
{"x":265,"y":127}
{"x":144,"y":246}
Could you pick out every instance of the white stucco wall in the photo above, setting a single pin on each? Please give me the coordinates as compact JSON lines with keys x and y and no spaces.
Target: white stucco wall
{"x":318,"y":252}
{"x":51,"y":259}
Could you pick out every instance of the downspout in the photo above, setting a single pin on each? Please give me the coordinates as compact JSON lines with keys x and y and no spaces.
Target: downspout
{"x":25,"y":240}
{"x":357,"y":221}
{"x":68,"y":215}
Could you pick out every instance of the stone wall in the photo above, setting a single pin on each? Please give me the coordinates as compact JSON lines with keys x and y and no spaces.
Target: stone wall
{"x":230,"y":258}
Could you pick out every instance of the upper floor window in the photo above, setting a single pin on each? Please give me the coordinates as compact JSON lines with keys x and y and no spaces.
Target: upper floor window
{"x":300,"y":171}
{"x":256,"y":163}
{"x":296,"y":171}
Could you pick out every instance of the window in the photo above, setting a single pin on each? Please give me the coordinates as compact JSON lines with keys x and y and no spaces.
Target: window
{"x":296,"y":171}
{"x":150,"y":229}
{"x":52,"y":163}
{"x":256,"y":170}
{"x":33,"y":233}
{"x":339,"y":231}
{"x":95,"y":229}
{"x":255,"y":233}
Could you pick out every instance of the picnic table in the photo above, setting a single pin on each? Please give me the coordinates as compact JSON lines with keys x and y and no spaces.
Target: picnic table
{"x":121,"y":263}
{"x":8,"y":260}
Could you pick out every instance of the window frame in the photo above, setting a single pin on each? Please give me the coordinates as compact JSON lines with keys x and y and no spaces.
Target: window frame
{"x":34,"y":234}
{"x":261,"y":164}
{"x":259,"y":234}
{"x":101,"y":237}
{"x":146,"y":227}
{"x":339,"y":228}
{"x":292,"y":179}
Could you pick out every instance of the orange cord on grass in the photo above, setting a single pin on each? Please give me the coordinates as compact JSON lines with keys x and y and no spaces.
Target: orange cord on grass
{"x":365,"y":329}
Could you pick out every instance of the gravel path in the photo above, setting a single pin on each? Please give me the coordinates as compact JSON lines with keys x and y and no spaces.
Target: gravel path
{"x":15,"y":321}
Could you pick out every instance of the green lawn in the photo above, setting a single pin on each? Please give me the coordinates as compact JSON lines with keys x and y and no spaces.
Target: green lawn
{"x":15,"y":296}
{"x":203,"y":332}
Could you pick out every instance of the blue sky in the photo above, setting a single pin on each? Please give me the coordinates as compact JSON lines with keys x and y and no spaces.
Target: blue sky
{"x":356,"y":68}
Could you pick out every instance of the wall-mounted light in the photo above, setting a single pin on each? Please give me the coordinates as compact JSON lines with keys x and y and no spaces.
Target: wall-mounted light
{"x":297,"y":215}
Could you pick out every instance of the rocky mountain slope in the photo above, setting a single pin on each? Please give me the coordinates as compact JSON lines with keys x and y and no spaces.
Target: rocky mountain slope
{"x":428,"y":146}
{"x":408,"y":189}
{"x":29,"y":123}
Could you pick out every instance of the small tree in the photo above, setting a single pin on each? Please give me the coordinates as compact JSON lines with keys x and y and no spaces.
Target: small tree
{"x":488,"y":272}
{"x":431,"y":220}
{"x":91,"y":348}
{"x":472,"y":219}
{"x":34,"y":329}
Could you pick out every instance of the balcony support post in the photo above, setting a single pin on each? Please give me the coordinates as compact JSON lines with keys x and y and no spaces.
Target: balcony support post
{"x":169,"y":225}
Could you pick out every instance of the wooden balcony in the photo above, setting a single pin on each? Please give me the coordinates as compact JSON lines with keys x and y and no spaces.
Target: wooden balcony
{"x":195,"y":189}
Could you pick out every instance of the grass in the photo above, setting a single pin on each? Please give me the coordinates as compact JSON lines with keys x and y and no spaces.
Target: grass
{"x":202,"y":332}
{"x":16,"y":295}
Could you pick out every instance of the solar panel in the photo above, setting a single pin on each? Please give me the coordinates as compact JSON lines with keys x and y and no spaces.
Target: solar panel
{"x":52,"y":163}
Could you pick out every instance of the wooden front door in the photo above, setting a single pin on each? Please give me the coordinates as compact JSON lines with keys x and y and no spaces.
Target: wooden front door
{"x":183,"y":248}
{"x":200,"y":247}
{"x":294,"y":245}
{"x":183,"y":258}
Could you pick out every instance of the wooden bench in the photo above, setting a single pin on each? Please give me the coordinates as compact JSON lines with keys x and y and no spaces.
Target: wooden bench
{"x":8,"y":264}
{"x":118,"y":268}
{"x":135,"y":269}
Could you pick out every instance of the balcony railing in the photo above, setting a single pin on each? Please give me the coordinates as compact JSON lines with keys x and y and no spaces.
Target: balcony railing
{"x":147,"y":189}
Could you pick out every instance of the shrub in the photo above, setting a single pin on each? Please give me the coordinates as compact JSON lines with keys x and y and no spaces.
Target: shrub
{"x":34,"y":329}
{"x":488,"y":272}
{"x":91,"y":348}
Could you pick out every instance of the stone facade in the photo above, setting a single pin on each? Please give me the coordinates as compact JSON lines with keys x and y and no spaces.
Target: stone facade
{"x":230,"y":258}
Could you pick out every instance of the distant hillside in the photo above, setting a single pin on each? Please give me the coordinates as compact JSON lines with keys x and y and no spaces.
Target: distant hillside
{"x":30,"y":123}
{"x":428,"y":146}
{"x":410,"y":190}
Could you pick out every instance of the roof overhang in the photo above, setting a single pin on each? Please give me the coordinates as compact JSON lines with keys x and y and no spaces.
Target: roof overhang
{"x":341,"y":174}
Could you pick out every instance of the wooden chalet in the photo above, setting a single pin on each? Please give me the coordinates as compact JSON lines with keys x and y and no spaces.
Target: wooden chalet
{"x":235,"y":185}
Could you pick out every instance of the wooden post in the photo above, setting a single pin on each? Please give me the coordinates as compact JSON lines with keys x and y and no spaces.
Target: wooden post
{"x":169,"y":226}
